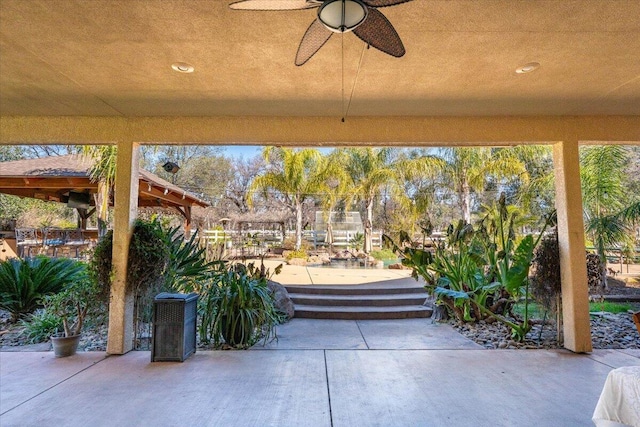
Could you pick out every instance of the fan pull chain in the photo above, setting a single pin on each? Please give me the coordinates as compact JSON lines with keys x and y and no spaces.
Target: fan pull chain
{"x":344,"y":113}
{"x":355,"y":81}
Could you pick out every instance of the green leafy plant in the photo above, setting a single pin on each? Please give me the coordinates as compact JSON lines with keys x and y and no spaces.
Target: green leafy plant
{"x":24,"y":282}
{"x":187,"y":266}
{"x":479,"y":273}
{"x":383,"y":255}
{"x":73,"y":304}
{"x":357,"y":241}
{"x":148,"y":257}
{"x":41,"y":325}
{"x":242,"y":307}
{"x":100,"y":265}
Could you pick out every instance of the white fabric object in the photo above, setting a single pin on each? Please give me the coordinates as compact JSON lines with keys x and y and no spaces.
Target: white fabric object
{"x":619,"y":403}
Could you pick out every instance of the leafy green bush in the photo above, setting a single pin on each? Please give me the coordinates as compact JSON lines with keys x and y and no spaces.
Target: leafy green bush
{"x":23,"y":283}
{"x":100,"y":265}
{"x":148,"y":257}
{"x":41,"y":325}
{"x":383,"y":255}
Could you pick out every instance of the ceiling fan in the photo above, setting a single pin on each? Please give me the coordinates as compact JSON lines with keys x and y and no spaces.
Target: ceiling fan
{"x":338,"y":16}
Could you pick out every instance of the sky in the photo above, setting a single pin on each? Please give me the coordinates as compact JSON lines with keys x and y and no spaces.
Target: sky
{"x":248,"y":151}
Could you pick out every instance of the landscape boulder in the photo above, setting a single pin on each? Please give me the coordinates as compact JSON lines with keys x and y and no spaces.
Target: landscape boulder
{"x":281,"y":298}
{"x":396,"y":266}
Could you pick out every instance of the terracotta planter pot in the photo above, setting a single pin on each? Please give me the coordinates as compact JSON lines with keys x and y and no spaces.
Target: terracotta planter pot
{"x":65,"y":346}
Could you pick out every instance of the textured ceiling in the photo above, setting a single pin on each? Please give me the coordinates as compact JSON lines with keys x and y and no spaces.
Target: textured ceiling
{"x":113,"y":58}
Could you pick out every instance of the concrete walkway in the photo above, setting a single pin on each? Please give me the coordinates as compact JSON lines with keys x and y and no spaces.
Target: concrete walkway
{"x":319,"y":373}
{"x":314,"y":275}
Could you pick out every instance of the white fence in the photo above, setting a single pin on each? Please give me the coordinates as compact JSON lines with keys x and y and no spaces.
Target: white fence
{"x":257,"y":242}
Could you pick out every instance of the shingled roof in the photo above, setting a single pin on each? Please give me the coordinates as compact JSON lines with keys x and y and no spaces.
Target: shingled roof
{"x":52,"y":178}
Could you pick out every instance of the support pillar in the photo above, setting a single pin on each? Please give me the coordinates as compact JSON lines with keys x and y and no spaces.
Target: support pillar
{"x":120,"y":338}
{"x":571,"y":241}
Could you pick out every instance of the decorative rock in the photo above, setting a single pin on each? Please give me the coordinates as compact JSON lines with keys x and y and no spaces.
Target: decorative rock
{"x":396,"y":266}
{"x":297,"y":261}
{"x":281,"y":298}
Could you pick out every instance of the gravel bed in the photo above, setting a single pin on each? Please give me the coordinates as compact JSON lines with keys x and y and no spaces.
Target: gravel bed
{"x":608,"y":331}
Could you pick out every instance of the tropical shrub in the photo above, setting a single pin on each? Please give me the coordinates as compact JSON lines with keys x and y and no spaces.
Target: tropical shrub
{"x":238,"y":308}
{"x":41,"y":325}
{"x":24,"y":282}
{"x":357,"y":241}
{"x":478,"y":273}
{"x":187,"y":266}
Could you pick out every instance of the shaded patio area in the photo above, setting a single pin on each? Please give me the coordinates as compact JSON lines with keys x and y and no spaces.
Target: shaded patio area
{"x":357,"y":374}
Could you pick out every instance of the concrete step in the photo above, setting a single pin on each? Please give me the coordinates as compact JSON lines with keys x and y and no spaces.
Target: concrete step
{"x":368,"y":289}
{"x":363,"y":313}
{"x":384,"y":300}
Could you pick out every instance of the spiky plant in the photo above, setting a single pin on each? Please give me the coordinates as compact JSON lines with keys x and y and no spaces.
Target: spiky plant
{"x":25,"y":282}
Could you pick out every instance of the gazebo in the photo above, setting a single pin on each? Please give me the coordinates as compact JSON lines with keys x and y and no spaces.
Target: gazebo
{"x":66,"y":179}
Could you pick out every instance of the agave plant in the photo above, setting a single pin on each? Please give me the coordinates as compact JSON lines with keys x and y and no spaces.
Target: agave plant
{"x":25,"y":282}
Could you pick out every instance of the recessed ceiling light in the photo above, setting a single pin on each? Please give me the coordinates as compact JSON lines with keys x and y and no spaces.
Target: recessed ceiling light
{"x":182,"y":67}
{"x":528,"y":68}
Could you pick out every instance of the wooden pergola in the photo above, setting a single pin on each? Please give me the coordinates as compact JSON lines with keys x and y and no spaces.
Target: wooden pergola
{"x":55,"y":178}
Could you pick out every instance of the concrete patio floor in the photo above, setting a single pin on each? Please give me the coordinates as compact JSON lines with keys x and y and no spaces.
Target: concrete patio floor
{"x":319,"y":373}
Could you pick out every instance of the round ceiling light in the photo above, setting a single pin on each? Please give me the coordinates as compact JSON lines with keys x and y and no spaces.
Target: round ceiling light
{"x":341,"y":16}
{"x":528,"y":68}
{"x":183,"y":67}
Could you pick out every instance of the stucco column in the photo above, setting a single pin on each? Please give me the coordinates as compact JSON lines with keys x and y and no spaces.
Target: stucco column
{"x":120,"y":339}
{"x":575,"y":290}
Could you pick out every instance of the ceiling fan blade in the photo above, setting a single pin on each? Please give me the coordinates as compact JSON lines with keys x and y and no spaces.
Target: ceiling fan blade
{"x":315,"y":37}
{"x":384,"y":3}
{"x":378,"y":32}
{"x":273,"y":4}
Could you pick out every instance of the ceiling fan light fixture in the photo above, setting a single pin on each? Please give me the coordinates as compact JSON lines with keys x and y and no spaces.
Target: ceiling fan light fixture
{"x":528,"y":68}
{"x":183,"y":67}
{"x":341,"y":16}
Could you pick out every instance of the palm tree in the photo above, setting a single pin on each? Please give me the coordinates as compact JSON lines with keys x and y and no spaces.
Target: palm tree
{"x":296,"y":175}
{"x":369,"y":169}
{"x":337,"y":183}
{"x":414,"y":193}
{"x":602,"y":174}
{"x":467,"y":169}
{"x":103,"y":170}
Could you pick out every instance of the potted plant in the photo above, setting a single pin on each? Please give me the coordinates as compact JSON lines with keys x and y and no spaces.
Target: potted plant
{"x":72,"y":305}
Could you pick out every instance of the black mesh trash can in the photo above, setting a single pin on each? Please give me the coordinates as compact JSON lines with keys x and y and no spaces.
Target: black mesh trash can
{"x":174,"y":327}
